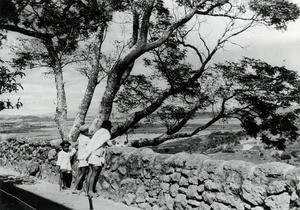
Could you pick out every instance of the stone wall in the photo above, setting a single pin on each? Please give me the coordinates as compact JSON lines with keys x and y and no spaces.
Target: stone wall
{"x":35,"y":158}
{"x":140,"y":177}
{"x":150,"y":180}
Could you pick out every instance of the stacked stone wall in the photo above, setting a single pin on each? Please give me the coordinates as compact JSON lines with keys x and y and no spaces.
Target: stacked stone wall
{"x":36,"y":158}
{"x":149,"y":180}
{"x":142,"y":178}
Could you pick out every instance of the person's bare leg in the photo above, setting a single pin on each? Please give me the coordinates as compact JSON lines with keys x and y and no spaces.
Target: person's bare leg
{"x":88,"y":179}
{"x":91,"y":182}
{"x":60,"y":180}
{"x":80,"y":176}
{"x":96,"y":179}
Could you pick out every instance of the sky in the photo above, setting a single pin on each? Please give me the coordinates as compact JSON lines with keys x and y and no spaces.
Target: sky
{"x":281,"y":48}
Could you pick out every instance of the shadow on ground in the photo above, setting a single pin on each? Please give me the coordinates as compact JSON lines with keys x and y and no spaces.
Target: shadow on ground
{"x":14,"y":198}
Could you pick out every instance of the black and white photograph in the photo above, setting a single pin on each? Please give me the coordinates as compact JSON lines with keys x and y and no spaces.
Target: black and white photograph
{"x":149,"y":104}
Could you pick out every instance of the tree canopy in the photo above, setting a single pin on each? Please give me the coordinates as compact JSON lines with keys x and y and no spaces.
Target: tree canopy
{"x":170,"y":36}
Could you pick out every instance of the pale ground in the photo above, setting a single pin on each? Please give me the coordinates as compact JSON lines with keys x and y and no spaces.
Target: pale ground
{"x":66,"y":198}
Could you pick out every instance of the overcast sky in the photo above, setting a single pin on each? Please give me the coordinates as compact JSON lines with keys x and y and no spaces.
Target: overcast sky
{"x":275,"y":47}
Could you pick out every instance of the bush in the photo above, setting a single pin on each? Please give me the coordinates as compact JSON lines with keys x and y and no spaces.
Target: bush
{"x":285,"y":156}
{"x":295,"y":153}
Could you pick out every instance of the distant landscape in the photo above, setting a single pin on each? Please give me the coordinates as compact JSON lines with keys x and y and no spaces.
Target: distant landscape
{"x":44,"y":128}
{"x":220,"y":141}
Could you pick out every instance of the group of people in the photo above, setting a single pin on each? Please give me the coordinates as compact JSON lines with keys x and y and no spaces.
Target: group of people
{"x":90,"y":155}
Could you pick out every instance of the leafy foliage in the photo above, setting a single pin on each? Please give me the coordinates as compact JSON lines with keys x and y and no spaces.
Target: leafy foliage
{"x":136,"y":93}
{"x":9,"y":84}
{"x":275,"y":12}
{"x":261,"y":98}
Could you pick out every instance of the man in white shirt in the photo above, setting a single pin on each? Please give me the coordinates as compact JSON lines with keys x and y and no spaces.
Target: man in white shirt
{"x":95,"y":155}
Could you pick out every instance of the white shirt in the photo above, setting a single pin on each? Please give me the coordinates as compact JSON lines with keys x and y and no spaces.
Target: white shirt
{"x":64,"y":159}
{"x":98,"y":139}
{"x":82,"y":143}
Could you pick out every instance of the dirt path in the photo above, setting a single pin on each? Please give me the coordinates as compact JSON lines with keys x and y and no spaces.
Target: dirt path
{"x":44,"y":195}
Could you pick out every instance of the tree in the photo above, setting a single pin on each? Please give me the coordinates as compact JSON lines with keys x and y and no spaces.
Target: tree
{"x":8,"y":81}
{"x":152,"y":32}
{"x":260,"y":96}
{"x":8,"y":84}
{"x":54,"y":28}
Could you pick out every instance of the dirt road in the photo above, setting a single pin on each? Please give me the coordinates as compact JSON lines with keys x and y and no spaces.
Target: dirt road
{"x":44,"y":195}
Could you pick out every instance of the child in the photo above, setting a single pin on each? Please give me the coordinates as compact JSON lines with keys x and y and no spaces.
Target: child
{"x":83,"y":165}
{"x":64,"y":163}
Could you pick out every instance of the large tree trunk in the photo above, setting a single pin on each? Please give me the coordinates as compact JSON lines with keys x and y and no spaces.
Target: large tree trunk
{"x":61,"y":106}
{"x":84,"y":106}
{"x":111,"y":89}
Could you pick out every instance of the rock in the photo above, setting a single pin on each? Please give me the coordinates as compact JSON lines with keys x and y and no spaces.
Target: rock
{"x":186,"y":172}
{"x":153,"y":187}
{"x":144,"y":206}
{"x":196,"y":161}
{"x":128,"y":199}
{"x":266,"y":171}
{"x":128,"y":185}
{"x":276,"y":187}
{"x":257,"y":208}
{"x":255,"y":194}
{"x":192,"y":192}
{"x":209,"y":197}
{"x":175,"y":177}
{"x":204,"y":206}
{"x":193,"y":180}
{"x":165,"y":187}
{"x":203,"y":176}
{"x":213,"y":186}
{"x":34,"y":169}
{"x":183,"y":182}
{"x":294,"y":196}
{"x":174,"y":190}
{"x":194,"y":203}
{"x":239,"y":167}
{"x":219,"y":206}
{"x":166,"y":178}
{"x":178,"y":160}
{"x":141,"y":194}
{"x":278,"y":202}
{"x":182,"y":190}
{"x":211,"y":166}
{"x":55,"y":143}
{"x":52,"y":154}
{"x":169,"y":201}
{"x":200,"y":188}
{"x":122,"y":170}
{"x":230,"y":200}
{"x":180,"y":202}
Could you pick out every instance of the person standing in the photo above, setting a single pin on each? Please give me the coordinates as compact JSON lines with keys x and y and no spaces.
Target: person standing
{"x":83,"y":166}
{"x":95,"y":155}
{"x":64,"y":163}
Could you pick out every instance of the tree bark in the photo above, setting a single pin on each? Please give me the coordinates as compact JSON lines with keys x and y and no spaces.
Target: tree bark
{"x":111,"y":89}
{"x":164,"y":137}
{"x":84,"y":106}
{"x":61,"y":106}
